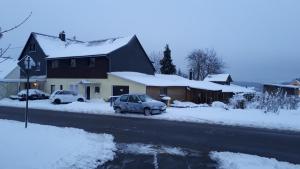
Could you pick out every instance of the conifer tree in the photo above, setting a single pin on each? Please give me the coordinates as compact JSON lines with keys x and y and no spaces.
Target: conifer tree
{"x":167,"y":67}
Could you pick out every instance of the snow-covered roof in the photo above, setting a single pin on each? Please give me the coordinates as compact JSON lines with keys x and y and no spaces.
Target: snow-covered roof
{"x":216,"y":78}
{"x":56,"y":48}
{"x":7,"y":65}
{"x":281,"y":85}
{"x":174,"y":80}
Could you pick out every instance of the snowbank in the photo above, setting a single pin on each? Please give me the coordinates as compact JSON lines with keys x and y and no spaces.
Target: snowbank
{"x":48,"y":147}
{"x":181,"y":104}
{"x":96,"y":106}
{"x":228,"y":160}
{"x":285,"y":120}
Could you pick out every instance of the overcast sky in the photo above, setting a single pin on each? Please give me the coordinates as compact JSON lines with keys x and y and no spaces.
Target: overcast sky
{"x":258,"y":39}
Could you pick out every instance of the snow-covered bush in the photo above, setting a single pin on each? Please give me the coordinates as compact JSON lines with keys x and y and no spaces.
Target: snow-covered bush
{"x":237,"y":101}
{"x":274,"y":102}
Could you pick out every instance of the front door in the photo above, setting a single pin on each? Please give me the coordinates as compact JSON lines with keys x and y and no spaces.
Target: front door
{"x":88,"y":92}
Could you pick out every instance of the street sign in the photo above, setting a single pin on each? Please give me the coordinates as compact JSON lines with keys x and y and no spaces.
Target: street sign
{"x":27,"y":62}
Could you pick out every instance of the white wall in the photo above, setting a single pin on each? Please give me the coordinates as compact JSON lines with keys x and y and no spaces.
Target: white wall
{"x":105,"y":85}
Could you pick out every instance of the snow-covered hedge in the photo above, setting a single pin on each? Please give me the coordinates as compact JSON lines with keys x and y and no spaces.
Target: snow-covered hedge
{"x":274,"y":102}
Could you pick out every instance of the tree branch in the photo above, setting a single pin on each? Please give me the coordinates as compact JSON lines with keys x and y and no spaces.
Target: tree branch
{"x":15,"y":27}
{"x":3,"y":52}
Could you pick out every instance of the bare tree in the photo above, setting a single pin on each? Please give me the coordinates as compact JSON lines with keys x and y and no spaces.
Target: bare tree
{"x":14,"y":27}
{"x":204,"y":62}
{"x":155,"y":58}
{"x":3,"y":51}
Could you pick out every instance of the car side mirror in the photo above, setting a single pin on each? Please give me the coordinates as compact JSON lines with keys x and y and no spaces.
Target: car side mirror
{"x":139,"y":101}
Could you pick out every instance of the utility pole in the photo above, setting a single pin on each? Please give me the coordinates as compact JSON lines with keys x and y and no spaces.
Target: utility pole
{"x":27,"y":90}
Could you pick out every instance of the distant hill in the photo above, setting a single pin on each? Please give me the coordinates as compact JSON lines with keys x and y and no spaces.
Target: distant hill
{"x":257,"y":86}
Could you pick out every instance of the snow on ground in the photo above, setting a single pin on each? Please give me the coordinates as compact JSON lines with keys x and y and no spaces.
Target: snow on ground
{"x":49,"y":147}
{"x":139,"y":148}
{"x":96,"y":106}
{"x":228,"y":160}
{"x":285,"y":120}
{"x":180,"y":104}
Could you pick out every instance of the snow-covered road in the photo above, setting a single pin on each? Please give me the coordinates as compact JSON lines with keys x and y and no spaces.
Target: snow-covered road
{"x":285,"y":120}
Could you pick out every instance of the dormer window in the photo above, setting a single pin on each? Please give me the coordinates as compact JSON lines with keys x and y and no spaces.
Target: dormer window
{"x":73,"y":63}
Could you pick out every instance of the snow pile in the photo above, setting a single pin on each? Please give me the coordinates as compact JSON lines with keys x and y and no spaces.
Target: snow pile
{"x":219,"y":105}
{"x":95,"y":106}
{"x":228,"y":160}
{"x":180,"y":104}
{"x":138,"y":148}
{"x":48,"y":147}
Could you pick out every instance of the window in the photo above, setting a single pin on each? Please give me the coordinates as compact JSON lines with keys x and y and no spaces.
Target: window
{"x":52,"y":88}
{"x":73,"y":63}
{"x":124,"y":98}
{"x":38,"y":66}
{"x":54,"y":63}
{"x":74,"y":88}
{"x":133,"y":99}
{"x":61,"y":87}
{"x":92,"y":62}
{"x":32,"y":47}
{"x":97,"y":89}
{"x":163,"y":91}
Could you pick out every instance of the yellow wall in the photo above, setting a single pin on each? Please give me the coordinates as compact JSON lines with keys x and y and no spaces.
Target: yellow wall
{"x":105,"y":85}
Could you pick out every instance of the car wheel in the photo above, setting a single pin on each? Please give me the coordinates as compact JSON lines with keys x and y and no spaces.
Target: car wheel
{"x":57,"y":101}
{"x":147,"y":112}
{"x":80,"y":100}
{"x":118,"y":110}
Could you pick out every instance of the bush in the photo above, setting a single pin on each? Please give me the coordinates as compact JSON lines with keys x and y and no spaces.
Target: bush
{"x":274,"y":102}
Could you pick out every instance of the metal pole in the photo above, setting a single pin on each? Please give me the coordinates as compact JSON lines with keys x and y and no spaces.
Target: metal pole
{"x":27,"y":92}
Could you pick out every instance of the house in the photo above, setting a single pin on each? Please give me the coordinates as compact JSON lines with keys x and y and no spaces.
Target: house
{"x":9,"y":76}
{"x":63,"y":63}
{"x":224,"y":79}
{"x":282,"y":89}
{"x":295,"y":82}
{"x":110,"y":67}
{"x":176,"y":87}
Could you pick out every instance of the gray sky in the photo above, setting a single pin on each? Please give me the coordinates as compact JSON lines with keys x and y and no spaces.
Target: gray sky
{"x":258,"y":39}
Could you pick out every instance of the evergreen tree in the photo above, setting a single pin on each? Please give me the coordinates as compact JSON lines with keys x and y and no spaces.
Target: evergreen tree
{"x":167,"y":67}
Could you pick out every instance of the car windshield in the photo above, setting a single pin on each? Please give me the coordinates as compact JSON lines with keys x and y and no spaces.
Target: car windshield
{"x":144,"y":98}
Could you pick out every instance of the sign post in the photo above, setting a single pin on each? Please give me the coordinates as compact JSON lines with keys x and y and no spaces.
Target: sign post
{"x":28,"y":63}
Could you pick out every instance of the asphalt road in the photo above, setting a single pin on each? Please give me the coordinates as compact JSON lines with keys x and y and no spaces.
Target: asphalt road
{"x":193,"y":137}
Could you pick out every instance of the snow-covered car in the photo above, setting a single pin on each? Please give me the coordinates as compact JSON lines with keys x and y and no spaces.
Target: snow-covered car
{"x":33,"y":94}
{"x":139,"y":103}
{"x":65,"y":96}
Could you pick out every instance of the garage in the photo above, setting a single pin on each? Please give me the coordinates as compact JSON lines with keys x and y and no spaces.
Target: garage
{"x":119,"y":90}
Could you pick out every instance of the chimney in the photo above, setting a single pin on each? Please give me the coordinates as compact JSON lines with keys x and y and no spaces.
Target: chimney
{"x":62,"y":36}
{"x":191,"y":74}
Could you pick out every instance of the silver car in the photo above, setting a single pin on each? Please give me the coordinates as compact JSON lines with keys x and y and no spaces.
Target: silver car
{"x":139,"y":103}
